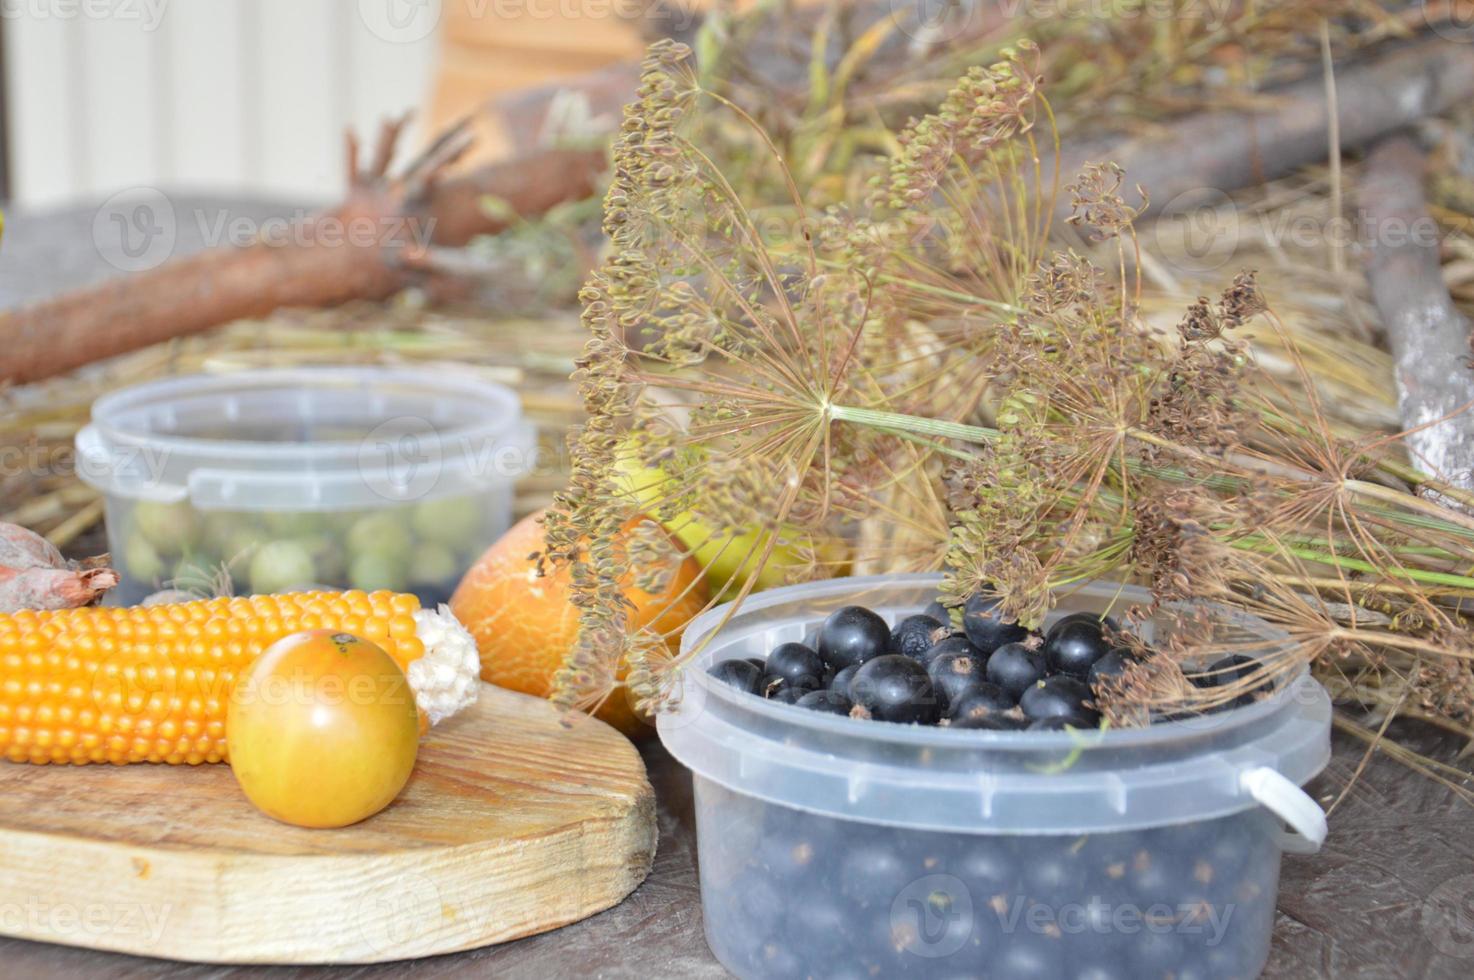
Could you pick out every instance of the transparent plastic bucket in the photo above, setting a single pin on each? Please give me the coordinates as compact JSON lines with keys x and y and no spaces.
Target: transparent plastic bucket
{"x":832,"y":846}
{"x":345,"y":477}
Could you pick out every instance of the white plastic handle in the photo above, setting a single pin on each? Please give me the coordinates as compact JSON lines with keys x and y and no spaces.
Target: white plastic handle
{"x":1291,"y":804}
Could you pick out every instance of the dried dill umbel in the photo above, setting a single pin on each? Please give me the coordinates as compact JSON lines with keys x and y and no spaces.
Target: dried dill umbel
{"x":919,"y":374}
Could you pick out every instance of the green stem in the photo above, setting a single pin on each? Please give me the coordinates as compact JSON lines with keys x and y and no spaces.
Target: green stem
{"x":1420,"y":575}
{"x":899,"y":422}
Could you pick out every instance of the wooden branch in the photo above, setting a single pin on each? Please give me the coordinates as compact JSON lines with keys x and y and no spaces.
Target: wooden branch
{"x":1229,"y":150}
{"x":1428,"y":336}
{"x":1221,"y":150}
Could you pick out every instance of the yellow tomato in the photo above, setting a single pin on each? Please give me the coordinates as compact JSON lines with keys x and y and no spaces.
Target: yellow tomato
{"x":322,"y":729}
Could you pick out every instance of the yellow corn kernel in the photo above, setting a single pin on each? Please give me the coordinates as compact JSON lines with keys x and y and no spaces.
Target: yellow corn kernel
{"x":151,"y":684}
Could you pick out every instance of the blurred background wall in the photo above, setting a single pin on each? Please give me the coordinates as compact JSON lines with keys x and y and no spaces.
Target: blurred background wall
{"x":253,"y":96}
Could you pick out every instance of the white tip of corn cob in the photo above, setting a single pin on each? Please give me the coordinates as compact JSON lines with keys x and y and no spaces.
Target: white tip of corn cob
{"x":445,"y":678}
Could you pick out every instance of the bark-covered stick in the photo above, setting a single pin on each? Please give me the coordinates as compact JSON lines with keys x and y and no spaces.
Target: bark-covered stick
{"x":1428,"y":336}
{"x":1228,"y":150}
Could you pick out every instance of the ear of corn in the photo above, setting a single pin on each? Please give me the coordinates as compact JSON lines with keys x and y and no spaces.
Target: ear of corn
{"x":152,"y":684}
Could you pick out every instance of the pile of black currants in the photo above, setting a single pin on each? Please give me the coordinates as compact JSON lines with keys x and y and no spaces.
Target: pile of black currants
{"x":789,"y":893}
{"x":992,"y":674}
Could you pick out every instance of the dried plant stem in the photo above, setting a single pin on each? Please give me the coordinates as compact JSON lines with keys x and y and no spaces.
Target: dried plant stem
{"x":1451,"y":777}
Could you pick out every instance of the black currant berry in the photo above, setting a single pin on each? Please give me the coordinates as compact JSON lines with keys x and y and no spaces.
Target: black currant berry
{"x":851,"y":636}
{"x":985,"y":626}
{"x":939,"y":612}
{"x":992,"y":722}
{"x":830,"y":702}
{"x":873,"y":872}
{"x":986,"y":699}
{"x":895,"y":688}
{"x":742,"y":674}
{"x":1074,"y":644}
{"x":952,"y":644}
{"x":915,"y":635}
{"x":1113,"y":664}
{"x":1015,"y":668}
{"x":1060,"y":696}
{"x":841,"y":680}
{"x":1107,"y":624}
{"x":784,"y":694}
{"x":1231,"y":669}
{"x":797,"y":666}
{"x":954,"y":676}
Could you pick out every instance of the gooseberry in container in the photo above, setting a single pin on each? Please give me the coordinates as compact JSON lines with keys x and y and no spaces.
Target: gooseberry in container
{"x":287,"y":478}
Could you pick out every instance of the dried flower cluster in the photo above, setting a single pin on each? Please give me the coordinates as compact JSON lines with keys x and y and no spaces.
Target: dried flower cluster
{"x":919,"y":376}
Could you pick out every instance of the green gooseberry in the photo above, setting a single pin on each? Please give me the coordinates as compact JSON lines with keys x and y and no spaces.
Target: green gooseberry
{"x":141,"y":559}
{"x":293,"y":523}
{"x":433,"y":564}
{"x":450,"y":521}
{"x":374,"y":570}
{"x":279,"y":566}
{"x":381,"y":533}
{"x":170,"y":527}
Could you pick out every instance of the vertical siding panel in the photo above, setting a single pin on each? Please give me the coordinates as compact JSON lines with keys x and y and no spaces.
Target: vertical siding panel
{"x":117,"y":102}
{"x":206,"y":122}
{"x":300,"y":140}
{"x":42,"y":91}
{"x":234,"y":96}
{"x":389,"y":78}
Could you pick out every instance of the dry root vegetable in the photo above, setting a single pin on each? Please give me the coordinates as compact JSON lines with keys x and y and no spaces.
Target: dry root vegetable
{"x":34,"y":575}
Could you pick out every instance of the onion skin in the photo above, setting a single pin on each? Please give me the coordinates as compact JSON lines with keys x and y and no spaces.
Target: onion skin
{"x":34,"y":575}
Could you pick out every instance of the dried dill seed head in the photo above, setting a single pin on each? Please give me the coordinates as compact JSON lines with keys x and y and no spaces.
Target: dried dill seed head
{"x":921,"y":374}
{"x":1097,"y":204}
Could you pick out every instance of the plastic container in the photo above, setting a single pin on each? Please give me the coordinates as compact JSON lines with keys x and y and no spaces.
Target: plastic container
{"x":837,"y":847}
{"x":354,"y":477}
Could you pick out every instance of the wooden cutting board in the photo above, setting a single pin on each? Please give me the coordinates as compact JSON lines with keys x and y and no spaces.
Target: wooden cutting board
{"x":512,"y":824}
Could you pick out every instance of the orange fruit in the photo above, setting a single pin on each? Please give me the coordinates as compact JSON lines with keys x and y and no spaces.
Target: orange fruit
{"x":525,"y":626}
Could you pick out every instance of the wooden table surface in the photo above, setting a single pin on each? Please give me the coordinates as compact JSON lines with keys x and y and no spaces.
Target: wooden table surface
{"x":1391,"y":896}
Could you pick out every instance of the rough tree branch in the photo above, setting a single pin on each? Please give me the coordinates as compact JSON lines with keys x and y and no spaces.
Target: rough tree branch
{"x":1428,"y":336}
